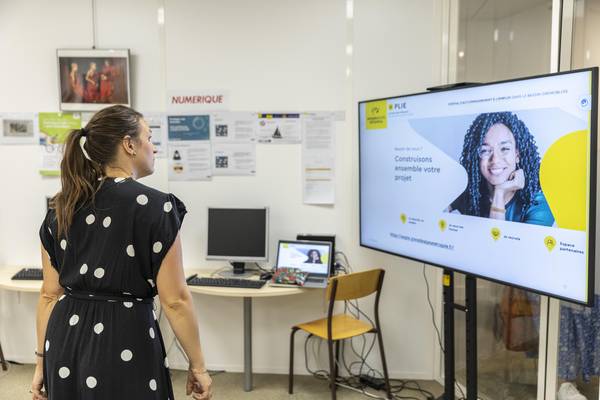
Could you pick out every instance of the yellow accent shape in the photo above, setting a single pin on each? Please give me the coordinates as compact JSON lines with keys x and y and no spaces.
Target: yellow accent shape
{"x":495,"y":233}
{"x":563,"y":178}
{"x":550,"y":242}
{"x":442,"y":224}
{"x":403,"y":218}
{"x":446,"y":281}
{"x":376,"y":114}
{"x":390,"y":107}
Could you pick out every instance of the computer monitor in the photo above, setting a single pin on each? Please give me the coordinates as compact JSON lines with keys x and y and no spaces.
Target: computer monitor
{"x":238,"y":235}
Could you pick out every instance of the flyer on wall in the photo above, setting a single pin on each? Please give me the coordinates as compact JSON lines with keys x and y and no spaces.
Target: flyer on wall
{"x":233,"y":126}
{"x":189,"y":147}
{"x":279,"y":128}
{"x":234,"y":158}
{"x":189,"y":161}
{"x":157,"y":123}
{"x":318,"y":159}
{"x":18,"y":128}
{"x":53,"y":130}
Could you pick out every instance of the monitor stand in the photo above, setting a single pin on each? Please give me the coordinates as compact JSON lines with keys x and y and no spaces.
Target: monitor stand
{"x":239,"y":271}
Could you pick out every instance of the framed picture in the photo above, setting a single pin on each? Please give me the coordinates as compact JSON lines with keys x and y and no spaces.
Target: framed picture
{"x":89,"y":80}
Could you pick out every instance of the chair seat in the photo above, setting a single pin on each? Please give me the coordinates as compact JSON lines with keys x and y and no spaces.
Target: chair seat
{"x":343,"y":326}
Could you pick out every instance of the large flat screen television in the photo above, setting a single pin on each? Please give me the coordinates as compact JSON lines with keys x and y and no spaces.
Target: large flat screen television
{"x":495,"y":180}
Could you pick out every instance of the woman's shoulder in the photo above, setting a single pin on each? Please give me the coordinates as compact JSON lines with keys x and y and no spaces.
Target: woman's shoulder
{"x":539,"y":198}
{"x":147,"y":195}
{"x":149,"y":191}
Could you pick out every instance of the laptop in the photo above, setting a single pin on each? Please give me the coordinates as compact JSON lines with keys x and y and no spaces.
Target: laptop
{"x":308,"y":256}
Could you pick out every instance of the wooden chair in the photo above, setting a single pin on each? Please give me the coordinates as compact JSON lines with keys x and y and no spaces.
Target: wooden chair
{"x":338,"y":327}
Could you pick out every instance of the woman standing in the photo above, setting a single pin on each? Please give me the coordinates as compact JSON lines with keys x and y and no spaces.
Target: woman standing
{"x":110,"y":244}
{"x":91,"y":84}
{"x":106,"y":82}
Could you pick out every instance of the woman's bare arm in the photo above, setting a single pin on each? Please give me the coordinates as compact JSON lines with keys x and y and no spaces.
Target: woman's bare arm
{"x":49,"y":294}
{"x":176,"y":301}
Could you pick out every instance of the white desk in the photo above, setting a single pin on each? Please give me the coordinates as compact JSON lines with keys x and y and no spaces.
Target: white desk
{"x":17,"y":286}
{"x":247,"y":294}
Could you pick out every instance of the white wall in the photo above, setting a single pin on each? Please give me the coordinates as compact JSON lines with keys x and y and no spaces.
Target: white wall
{"x":271,"y":55}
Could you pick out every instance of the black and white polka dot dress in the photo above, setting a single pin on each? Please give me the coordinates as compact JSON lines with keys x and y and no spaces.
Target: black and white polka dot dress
{"x":103,"y":339}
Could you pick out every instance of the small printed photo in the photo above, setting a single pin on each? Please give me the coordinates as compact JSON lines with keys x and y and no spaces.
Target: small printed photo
{"x":221,"y":162}
{"x":221,"y":130}
{"x":90,"y":80}
{"x":18,"y":128}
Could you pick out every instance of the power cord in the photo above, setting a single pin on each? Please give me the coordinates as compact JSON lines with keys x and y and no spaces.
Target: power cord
{"x":439,"y":336}
{"x":360,"y":374}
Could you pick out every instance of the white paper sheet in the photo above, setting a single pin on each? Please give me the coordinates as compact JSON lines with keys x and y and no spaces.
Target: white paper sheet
{"x":233,"y":126}
{"x":158,"y":125}
{"x":279,"y":128}
{"x":189,"y":161}
{"x":19,"y":128}
{"x":51,"y":155}
{"x":318,"y":158}
{"x":234,"y":158}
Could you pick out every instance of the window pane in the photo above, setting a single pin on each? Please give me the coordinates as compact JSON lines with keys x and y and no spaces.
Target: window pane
{"x":579,"y":327}
{"x":500,"y":40}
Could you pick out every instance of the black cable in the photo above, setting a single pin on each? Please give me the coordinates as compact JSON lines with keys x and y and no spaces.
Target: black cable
{"x":439,"y":335}
{"x":353,"y":380}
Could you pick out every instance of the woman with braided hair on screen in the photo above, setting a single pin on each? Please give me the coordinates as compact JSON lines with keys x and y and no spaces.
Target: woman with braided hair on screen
{"x":502,"y":163}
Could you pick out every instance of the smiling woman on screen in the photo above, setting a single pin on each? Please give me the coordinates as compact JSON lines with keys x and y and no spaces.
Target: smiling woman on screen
{"x":502,"y":163}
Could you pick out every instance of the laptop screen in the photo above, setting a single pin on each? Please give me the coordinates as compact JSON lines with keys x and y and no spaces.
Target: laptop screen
{"x":311,"y":257}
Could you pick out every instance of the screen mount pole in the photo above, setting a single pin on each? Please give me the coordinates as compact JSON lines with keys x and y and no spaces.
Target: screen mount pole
{"x":470,"y":310}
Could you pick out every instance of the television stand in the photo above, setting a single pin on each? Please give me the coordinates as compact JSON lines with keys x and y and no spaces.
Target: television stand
{"x":470,"y":310}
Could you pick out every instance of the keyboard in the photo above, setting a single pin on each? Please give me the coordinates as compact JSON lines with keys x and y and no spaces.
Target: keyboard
{"x":227,"y":282}
{"x":28,"y":274}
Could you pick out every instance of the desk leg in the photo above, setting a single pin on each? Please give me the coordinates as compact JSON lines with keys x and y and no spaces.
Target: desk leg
{"x":247,"y":344}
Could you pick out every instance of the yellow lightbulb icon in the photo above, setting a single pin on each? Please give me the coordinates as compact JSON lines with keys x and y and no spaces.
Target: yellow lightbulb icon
{"x":442,"y":224}
{"x":403,"y":218}
{"x":495,"y":233}
{"x":550,"y":242}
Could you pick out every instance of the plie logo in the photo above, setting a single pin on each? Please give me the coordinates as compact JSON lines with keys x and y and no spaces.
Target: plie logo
{"x":398,"y":107}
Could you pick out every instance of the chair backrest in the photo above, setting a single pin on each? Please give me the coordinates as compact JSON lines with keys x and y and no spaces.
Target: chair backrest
{"x":355,"y":285}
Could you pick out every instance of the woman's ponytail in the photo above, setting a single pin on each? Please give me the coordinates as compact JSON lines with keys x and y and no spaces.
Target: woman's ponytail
{"x":79,"y":178}
{"x":87,"y":152}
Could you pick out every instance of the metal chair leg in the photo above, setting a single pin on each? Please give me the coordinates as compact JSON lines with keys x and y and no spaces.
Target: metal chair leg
{"x":331,"y":369}
{"x":386,"y":377}
{"x":337,"y":359}
{"x":291,"y":376}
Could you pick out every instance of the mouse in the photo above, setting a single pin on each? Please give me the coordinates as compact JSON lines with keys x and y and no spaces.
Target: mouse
{"x":265,"y":276}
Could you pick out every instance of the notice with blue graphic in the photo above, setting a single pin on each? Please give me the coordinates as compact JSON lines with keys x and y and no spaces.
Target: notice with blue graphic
{"x":189,"y":127}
